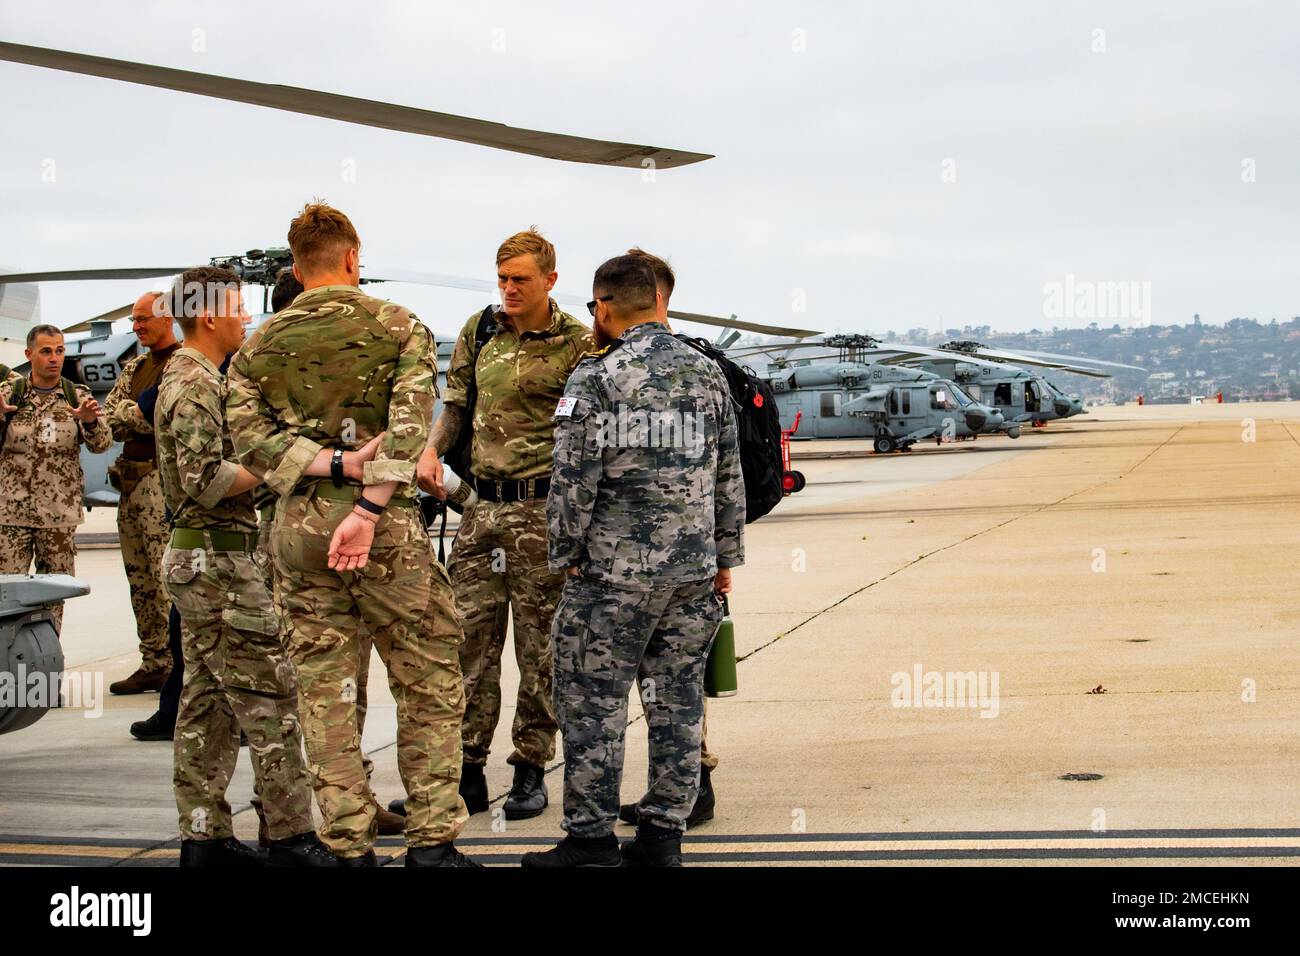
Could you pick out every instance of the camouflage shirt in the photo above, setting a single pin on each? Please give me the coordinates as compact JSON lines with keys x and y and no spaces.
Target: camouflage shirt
{"x":121,"y":408}
{"x":334,"y":369}
{"x":647,"y":490}
{"x":519,"y":380}
{"x":40,"y":458}
{"x":196,"y":458}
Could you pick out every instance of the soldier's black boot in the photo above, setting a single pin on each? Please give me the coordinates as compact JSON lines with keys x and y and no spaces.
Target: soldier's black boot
{"x":700,"y":813}
{"x":473,"y":788}
{"x":653,"y":846}
{"x":577,"y":851}
{"x":220,"y":853}
{"x":443,"y":854}
{"x":703,"y":809}
{"x":304,"y":849}
{"x":156,"y":727}
{"x":528,"y":796}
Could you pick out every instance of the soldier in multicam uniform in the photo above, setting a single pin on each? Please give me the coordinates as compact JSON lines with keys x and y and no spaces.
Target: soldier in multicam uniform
{"x":335,"y":370}
{"x":237,"y":675}
{"x":498,"y":561}
{"x":44,"y":421}
{"x":142,"y":529}
{"x":646,"y":512}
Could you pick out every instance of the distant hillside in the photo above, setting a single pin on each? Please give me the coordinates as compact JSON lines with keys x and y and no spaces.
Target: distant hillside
{"x":1245,"y":359}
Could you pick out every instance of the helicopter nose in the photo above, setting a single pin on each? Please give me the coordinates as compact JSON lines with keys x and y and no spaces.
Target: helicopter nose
{"x":976,"y":419}
{"x":1063,"y":407}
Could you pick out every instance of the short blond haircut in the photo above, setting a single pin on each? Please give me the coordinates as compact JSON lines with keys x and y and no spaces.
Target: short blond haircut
{"x":319,"y":235}
{"x":529,"y":242}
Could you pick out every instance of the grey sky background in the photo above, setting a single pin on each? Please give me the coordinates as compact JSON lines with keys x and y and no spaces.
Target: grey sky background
{"x":1123,"y":165}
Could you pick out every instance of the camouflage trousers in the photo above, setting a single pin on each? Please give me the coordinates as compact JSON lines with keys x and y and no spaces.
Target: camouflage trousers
{"x":605,"y":639}
{"x":237,"y":676}
{"x":143,"y":533}
{"x":498,"y":569}
{"x":363,"y":666}
{"x":52,"y":550}
{"x":402,"y":600}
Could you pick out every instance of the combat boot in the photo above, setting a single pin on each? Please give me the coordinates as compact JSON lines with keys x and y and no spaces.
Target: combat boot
{"x":654,"y":846}
{"x":700,"y":813}
{"x":441,"y":854}
{"x":390,"y":823}
{"x":473,"y":788}
{"x":155,"y":727}
{"x":304,"y":849}
{"x":577,"y":851}
{"x":220,"y":853}
{"x":703,"y":809}
{"x":528,"y":796}
{"x":139,"y":682}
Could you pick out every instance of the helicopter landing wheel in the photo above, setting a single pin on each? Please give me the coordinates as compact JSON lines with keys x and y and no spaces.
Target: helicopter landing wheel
{"x":884,"y":444}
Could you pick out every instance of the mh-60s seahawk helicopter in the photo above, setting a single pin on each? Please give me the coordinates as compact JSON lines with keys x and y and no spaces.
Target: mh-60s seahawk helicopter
{"x":899,"y":406}
{"x":980,"y":374}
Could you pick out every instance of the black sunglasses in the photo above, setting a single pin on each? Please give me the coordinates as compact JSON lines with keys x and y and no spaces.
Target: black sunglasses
{"x":591,"y":306}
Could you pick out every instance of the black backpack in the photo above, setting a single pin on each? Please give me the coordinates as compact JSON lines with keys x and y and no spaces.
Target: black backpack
{"x":758,"y":424}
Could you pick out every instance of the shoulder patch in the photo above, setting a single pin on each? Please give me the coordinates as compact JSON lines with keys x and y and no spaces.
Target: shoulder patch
{"x":565,"y":407}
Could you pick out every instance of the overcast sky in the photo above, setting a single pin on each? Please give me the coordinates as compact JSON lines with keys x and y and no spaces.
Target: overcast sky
{"x":1109,"y":141}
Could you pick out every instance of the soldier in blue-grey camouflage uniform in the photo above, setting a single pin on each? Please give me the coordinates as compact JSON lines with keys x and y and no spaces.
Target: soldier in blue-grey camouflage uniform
{"x":646,"y":515}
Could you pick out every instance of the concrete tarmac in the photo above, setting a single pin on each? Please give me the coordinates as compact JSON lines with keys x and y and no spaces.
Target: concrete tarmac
{"x":931,"y":646}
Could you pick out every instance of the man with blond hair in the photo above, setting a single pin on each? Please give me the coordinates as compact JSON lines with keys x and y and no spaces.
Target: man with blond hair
{"x":507,"y":372}
{"x":326,"y":376}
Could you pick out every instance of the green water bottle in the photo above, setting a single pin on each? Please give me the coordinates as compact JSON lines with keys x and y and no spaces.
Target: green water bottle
{"x":720,"y":670}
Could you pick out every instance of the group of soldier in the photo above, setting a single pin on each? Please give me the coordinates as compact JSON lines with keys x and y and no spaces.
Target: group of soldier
{"x":268,"y":503}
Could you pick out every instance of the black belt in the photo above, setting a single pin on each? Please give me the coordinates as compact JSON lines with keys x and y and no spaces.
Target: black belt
{"x":511,"y":489}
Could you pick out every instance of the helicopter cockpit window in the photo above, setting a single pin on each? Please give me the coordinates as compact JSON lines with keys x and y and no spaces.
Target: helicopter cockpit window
{"x":831,"y":404}
{"x":961,"y":397}
{"x":939,"y":398}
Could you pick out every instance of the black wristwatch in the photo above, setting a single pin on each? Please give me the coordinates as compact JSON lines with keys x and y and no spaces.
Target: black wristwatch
{"x":336,"y":468}
{"x":365,"y":504}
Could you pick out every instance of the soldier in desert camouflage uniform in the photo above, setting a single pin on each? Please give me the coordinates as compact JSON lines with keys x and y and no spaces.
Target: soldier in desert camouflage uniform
{"x":237,"y":675}
{"x":333,"y":371}
{"x":646,"y":512}
{"x":498,"y":562}
{"x":142,"y":529}
{"x":44,"y":421}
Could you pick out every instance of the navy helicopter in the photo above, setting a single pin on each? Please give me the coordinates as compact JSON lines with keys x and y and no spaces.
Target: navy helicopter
{"x":982,"y":374}
{"x":854,"y":396}
{"x":994,"y":375}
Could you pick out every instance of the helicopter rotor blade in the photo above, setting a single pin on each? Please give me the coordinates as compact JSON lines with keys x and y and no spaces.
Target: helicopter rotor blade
{"x":1013,"y":355}
{"x":112,"y":315}
{"x":734,"y":323}
{"x":351,"y":109}
{"x":72,"y":275}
